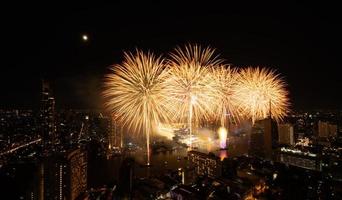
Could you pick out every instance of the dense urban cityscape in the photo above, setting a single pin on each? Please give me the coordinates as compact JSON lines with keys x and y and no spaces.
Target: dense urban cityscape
{"x":171,"y":100}
{"x":84,"y":154}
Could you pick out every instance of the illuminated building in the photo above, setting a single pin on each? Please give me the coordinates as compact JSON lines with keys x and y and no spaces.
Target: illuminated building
{"x":84,"y":132}
{"x":114,"y":135}
{"x":299,"y":158}
{"x":65,"y":175}
{"x":285,"y":132}
{"x":41,"y":182}
{"x":47,"y":114}
{"x":325,"y":129}
{"x":77,"y":160}
{"x":303,"y":142}
{"x":205,"y":164}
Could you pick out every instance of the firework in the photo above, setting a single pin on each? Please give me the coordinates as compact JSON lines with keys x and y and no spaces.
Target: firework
{"x":223,"y":154}
{"x":135,"y":92}
{"x":225,"y":78}
{"x":222,"y":132}
{"x":260,"y":92}
{"x":165,"y":130}
{"x":191,"y":87}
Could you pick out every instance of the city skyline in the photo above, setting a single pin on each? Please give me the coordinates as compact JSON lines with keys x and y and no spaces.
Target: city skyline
{"x":170,"y":100}
{"x":299,"y":41}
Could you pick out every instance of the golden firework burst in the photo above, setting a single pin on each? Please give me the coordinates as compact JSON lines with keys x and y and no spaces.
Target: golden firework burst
{"x":225,"y":78}
{"x":260,"y":92}
{"x":136,"y":92}
{"x":191,"y":87}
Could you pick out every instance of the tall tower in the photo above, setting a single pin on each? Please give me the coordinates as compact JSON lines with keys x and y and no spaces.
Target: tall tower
{"x":115,"y":137}
{"x":47,"y":114}
{"x":285,"y":132}
{"x":65,"y":175}
{"x":112,"y":138}
{"x":264,"y":137}
{"x":326,"y":129}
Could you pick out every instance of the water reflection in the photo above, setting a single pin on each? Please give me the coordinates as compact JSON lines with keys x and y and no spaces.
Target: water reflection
{"x":110,"y":167}
{"x":223,"y":154}
{"x":160,"y":162}
{"x":103,"y":170}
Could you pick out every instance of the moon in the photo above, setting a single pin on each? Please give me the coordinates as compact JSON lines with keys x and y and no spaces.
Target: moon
{"x":84,"y":37}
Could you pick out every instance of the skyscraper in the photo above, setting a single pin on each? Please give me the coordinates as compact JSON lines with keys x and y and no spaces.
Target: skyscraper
{"x":264,"y":138}
{"x":112,"y":134}
{"x":126,"y":177}
{"x":325,"y":129}
{"x":256,"y":142}
{"x":77,"y":169}
{"x":65,"y":175}
{"x":47,"y":115}
{"x":285,"y":132}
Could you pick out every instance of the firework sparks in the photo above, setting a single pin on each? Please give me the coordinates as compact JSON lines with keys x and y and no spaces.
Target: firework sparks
{"x":261,"y":92}
{"x":193,"y":85}
{"x":225,"y":78}
{"x":135,"y":92}
{"x":165,"y":130}
{"x":222,"y":132}
{"x":191,"y":88}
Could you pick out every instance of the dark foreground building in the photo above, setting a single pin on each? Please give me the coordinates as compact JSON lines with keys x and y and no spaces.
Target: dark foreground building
{"x":64,"y":176}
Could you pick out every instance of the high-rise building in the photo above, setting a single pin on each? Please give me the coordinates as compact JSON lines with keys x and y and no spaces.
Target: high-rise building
{"x":126,"y":177}
{"x":77,"y":161}
{"x":285,"y":132}
{"x":205,"y":164}
{"x":104,"y":127}
{"x":229,"y":167}
{"x":65,"y":175}
{"x":326,"y":129}
{"x":47,"y":115}
{"x":256,"y":142}
{"x":264,"y":138}
{"x":300,"y":158}
{"x":114,"y":134}
{"x":84,"y":132}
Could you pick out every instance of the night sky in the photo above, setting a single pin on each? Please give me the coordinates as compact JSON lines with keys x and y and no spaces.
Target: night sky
{"x":300,"y":41}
